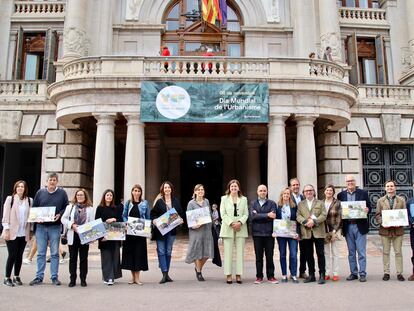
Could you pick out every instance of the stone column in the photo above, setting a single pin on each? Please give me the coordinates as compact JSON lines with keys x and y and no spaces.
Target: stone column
{"x":101,"y":32}
{"x":104,"y":169}
{"x":134,"y":154}
{"x":304,"y":28}
{"x":277,"y":170}
{"x":329,"y":28}
{"x":305,"y":150}
{"x":252,"y":168}
{"x":75,"y":43}
{"x":153,"y":169}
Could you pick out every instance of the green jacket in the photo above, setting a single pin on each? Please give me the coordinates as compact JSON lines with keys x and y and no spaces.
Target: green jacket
{"x":227,"y":216}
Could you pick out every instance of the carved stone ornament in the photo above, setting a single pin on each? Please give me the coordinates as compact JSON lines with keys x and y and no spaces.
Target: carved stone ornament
{"x":133,"y":8}
{"x":332,"y":39}
{"x":75,"y":42}
{"x":272,"y":10}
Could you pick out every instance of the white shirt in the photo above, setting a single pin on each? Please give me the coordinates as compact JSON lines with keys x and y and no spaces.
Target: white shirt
{"x":297,"y":198}
{"x":309,"y":204}
{"x":22,"y":206}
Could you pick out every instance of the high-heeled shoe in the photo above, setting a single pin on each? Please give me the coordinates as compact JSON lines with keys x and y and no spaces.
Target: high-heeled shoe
{"x":229,"y":279}
{"x":238,"y":279}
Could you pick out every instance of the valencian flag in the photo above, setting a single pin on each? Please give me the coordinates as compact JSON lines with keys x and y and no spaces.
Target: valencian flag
{"x":211,"y":11}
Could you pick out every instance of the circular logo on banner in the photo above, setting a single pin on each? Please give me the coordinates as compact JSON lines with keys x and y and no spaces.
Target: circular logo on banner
{"x":173,"y":102}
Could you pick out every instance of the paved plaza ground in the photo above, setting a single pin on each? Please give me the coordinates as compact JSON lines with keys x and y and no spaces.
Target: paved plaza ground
{"x":186,"y":293}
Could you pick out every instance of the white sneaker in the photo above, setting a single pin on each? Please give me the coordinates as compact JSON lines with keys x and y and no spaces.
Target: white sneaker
{"x":27,"y":261}
{"x":62,"y":261}
{"x":110,"y":282}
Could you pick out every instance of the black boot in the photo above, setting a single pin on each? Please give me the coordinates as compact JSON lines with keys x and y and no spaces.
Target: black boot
{"x":321,"y":278}
{"x":200,"y":277}
{"x":310,"y":278}
{"x":164,"y":278}
{"x":168,"y":277}
{"x":8,"y":282}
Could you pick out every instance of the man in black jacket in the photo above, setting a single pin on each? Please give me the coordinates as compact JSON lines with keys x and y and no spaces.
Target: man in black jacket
{"x":355,"y":230}
{"x":262,"y":213}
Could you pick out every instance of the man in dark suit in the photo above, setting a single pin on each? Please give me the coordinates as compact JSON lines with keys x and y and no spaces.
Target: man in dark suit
{"x":296,"y":198}
{"x":355,"y":230}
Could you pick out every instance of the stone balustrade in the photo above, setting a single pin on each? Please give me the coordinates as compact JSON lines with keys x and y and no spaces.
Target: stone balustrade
{"x":348,"y":15}
{"x":42,"y":9}
{"x":19,"y":90}
{"x":386,"y":94}
{"x":214,"y":67}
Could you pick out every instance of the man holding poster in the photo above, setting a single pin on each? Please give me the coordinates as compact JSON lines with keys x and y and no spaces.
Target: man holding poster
{"x":390,"y":235}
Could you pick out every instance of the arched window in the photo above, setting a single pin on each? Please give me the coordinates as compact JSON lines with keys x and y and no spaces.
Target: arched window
{"x":187,"y":34}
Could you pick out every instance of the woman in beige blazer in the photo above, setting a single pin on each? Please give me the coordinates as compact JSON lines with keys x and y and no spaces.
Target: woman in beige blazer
{"x":234,"y":215}
{"x":16,"y":230}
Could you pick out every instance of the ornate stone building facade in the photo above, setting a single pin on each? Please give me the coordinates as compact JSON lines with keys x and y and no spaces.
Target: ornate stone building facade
{"x":70,"y":90}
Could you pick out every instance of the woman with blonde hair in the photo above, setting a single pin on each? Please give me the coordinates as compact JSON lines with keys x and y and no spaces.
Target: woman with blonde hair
{"x":78,"y":213}
{"x":286,"y":210}
{"x":333,"y":226}
{"x":16,"y":230}
{"x":234,"y":214}
{"x":134,"y":251}
{"x":200,"y":246}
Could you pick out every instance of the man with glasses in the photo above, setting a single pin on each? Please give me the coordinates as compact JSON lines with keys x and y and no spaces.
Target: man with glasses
{"x":311,"y":217}
{"x":355,"y":230}
{"x":296,"y":198}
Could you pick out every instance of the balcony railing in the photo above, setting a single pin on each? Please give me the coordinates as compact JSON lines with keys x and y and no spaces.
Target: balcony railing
{"x":42,"y":9}
{"x":18,"y":90}
{"x":214,"y":67}
{"x":386,"y":94}
{"x":355,"y":16}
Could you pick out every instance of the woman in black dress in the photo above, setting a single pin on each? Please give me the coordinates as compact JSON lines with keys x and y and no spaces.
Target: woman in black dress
{"x":110,"y":250}
{"x":134,"y":255}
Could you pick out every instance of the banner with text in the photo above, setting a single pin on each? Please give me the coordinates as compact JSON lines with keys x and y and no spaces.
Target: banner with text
{"x":204,"y":102}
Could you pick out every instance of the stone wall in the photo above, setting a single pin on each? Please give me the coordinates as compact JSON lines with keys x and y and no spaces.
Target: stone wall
{"x":67,"y":152}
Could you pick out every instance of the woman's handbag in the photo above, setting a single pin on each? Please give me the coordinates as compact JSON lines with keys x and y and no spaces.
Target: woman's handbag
{"x":64,"y":236}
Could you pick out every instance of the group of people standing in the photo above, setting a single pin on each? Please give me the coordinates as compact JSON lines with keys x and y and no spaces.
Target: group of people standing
{"x":319,"y":226}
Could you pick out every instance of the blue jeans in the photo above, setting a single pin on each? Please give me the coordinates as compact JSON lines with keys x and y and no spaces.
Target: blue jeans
{"x":293,"y":255}
{"x":356,"y":242}
{"x":164,"y":251}
{"x":45,"y":234}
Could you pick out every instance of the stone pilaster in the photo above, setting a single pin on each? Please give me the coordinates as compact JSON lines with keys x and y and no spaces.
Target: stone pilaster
{"x":134,"y":154}
{"x":303,"y":19}
{"x":104,"y":170}
{"x":153,"y":169}
{"x":252,"y":168}
{"x":330,"y":33}
{"x":277,"y":175}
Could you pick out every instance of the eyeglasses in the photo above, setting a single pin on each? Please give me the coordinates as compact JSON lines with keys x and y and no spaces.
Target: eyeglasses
{"x":310,"y":190}
{"x":352,"y":180}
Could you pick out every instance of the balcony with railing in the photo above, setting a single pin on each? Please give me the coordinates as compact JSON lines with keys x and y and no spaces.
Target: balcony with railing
{"x":24,"y":10}
{"x":23,"y":91}
{"x":361,"y":17}
{"x":385,"y":97}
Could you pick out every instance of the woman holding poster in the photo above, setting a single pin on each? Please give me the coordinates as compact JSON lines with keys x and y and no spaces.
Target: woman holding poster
{"x":110,"y":250}
{"x":200,"y":246}
{"x":76,"y":214}
{"x":134,"y":254}
{"x":234,"y":214}
{"x":164,"y":201}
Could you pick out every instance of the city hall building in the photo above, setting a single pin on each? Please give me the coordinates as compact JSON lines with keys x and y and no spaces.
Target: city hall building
{"x":86,"y":91}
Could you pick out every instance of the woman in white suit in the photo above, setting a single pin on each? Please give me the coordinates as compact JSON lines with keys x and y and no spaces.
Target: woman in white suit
{"x":234,"y":214}
{"x":79,"y":212}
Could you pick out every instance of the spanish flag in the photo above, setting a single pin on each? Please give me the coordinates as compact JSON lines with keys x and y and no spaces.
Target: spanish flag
{"x":211,"y":11}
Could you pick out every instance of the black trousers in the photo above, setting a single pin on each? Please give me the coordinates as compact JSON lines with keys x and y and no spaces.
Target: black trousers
{"x":111,"y":261}
{"x":74,"y":250}
{"x":15,"y":248}
{"x":264,"y":245}
{"x":302,"y":257}
{"x":412,"y":246}
{"x":319,"y":245}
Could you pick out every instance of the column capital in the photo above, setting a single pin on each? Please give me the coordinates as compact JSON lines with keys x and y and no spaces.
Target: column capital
{"x":305,"y":119}
{"x":133,"y":119}
{"x":278,"y":119}
{"x":105,"y":118}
